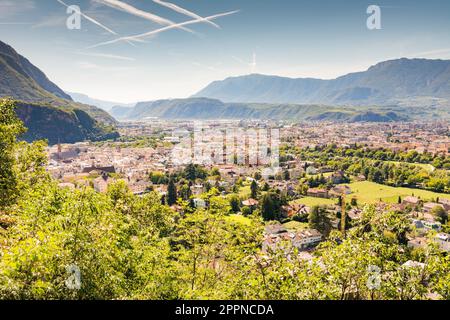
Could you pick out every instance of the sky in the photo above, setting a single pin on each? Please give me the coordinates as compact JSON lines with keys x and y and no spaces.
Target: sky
{"x":293,"y":38}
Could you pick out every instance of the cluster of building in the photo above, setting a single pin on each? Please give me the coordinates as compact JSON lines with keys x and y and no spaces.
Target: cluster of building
{"x":431,"y":137}
{"x":424,"y":222}
{"x":88,"y":164}
{"x":276,"y":235}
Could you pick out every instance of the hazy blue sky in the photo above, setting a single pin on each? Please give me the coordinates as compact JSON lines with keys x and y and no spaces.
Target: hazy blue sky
{"x":295,"y":38}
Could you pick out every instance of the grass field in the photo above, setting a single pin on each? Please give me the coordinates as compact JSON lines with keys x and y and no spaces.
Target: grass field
{"x":295,"y":225}
{"x":370,"y":192}
{"x":238,"y":219}
{"x":311,"y":201}
{"x":428,"y":167}
{"x":244,"y":192}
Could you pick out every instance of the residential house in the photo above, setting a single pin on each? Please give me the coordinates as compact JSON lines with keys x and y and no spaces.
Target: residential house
{"x":411,"y":201}
{"x":198,"y":189}
{"x":341,"y":190}
{"x":139,"y":187}
{"x":361,"y":177}
{"x":294,"y":209}
{"x":306,"y":239}
{"x":101,"y":184}
{"x":354,"y":214}
{"x":104,"y":169}
{"x":302,"y":240}
{"x":442,"y":240}
{"x":318,"y":193}
{"x":429,"y":206}
{"x":445,"y":203}
{"x":418,"y":242}
{"x":251,"y":203}
{"x":338,"y":177}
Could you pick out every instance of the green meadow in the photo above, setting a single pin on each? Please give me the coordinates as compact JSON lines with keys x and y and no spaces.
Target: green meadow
{"x":311,"y":201}
{"x":427,"y":167}
{"x":370,"y":192}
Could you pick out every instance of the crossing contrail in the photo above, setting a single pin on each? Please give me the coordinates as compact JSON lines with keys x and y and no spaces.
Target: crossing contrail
{"x":178,"y":9}
{"x":154,"y":32}
{"x":119,"y":5}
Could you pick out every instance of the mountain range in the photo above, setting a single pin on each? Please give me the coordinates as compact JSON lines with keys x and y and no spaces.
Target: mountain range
{"x":102,"y":104}
{"x":386,"y":83}
{"x":210,"y":109}
{"x":47,"y":111}
{"x":395,"y":90}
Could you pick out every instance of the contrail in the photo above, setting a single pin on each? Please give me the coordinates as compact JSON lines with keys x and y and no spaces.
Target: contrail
{"x":105,"y":55}
{"x":119,"y":5}
{"x":154,"y":32}
{"x":96,"y":22}
{"x":188,"y":13}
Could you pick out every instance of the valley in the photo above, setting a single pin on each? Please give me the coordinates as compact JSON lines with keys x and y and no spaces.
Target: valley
{"x":261,"y":150}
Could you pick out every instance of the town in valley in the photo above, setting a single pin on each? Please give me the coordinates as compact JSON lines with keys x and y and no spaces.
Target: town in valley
{"x":143,"y":158}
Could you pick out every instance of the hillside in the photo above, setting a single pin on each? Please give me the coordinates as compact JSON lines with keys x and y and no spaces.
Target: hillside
{"x":20,"y":79}
{"x":388,"y":82}
{"x":56,"y":125}
{"x":45,"y":102}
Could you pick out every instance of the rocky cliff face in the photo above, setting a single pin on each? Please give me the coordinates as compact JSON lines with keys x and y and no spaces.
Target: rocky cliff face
{"x":47,"y":122}
{"x":48,"y":112}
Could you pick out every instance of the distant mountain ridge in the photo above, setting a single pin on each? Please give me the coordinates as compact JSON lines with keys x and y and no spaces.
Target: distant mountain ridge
{"x":212,"y":109}
{"x":382,"y":84}
{"x":102,"y":104}
{"x":41,"y":101}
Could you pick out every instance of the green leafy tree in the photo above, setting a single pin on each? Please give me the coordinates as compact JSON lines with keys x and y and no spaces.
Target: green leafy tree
{"x":440,"y":213}
{"x":235,"y":203}
{"x":172,"y":195}
{"x":286,"y":175}
{"x":194,"y":171}
{"x":270,"y":206}
{"x":254,"y":190}
{"x":319,"y":219}
{"x":10,"y":128}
